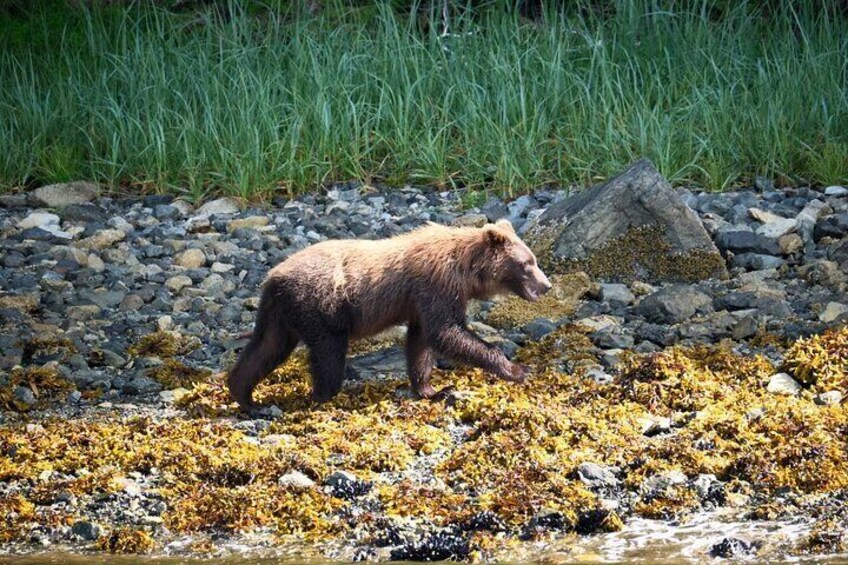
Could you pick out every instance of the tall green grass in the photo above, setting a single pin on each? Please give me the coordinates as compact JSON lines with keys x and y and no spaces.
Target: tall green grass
{"x":145,"y":99}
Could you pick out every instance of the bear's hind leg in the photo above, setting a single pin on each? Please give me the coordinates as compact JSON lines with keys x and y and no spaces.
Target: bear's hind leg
{"x":327,"y":361}
{"x":263,"y":354}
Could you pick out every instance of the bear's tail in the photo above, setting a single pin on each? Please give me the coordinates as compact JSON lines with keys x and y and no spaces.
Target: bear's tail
{"x":269,"y":346}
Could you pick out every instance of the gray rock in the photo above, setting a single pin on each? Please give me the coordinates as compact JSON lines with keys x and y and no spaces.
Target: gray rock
{"x":471,"y":220}
{"x":829,"y":398}
{"x":221,"y":206}
{"x":616,"y":295}
{"x":778,"y":228}
{"x":578,"y":226}
{"x":593,"y":474}
{"x":142,"y":384}
{"x":757,"y":261}
{"x":782,"y":383}
{"x":538,"y":328}
{"x":745,"y":328}
{"x":807,"y":219}
{"x":23,"y":397}
{"x":88,"y":531}
{"x":102,"y":239}
{"x":297,"y":481}
{"x":836,"y":191}
{"x":64,"y":194}
{"x":518,"y":209}
{"x":598,"y":375}
{"x":673,"y":304}
{"x":494,"y":209}
{"x":191,"y":259}
{"x":705,"y":485}
{"x":835,"y":226}
{"x":612,"y":338}
{"x":658,"y":485}
{"x":823,"y":272}
{"x":739,"y":241}
{"x":832,"y":311}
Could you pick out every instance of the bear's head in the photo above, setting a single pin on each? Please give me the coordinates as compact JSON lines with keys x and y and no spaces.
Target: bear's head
{"x":513,"y":265}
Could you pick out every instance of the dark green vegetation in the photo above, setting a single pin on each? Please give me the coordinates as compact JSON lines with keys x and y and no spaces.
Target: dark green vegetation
{"x":259,"y":100}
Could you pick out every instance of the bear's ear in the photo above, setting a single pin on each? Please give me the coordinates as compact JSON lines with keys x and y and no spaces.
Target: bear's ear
{"x":495,"y":236}
{"x":506,"y":225}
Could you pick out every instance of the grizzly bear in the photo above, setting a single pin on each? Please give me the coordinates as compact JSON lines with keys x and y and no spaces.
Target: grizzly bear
{"x":337,"y":291}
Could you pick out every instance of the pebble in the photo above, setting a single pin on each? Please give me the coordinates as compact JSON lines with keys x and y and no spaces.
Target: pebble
{"x":782,"y":383}
{"x":593,"y":474}
{"x":832,"y":311}
{"x":102,"y":239}
{"x":191,"y":258}
{"x":829,"y":398}
{"x":297,"y":481}
{"x":250,"y":222}
{"x":836,"y":191}
{"x":220,"y":206}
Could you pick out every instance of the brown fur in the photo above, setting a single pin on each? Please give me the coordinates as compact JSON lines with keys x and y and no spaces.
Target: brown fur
{"x":342,"y":290}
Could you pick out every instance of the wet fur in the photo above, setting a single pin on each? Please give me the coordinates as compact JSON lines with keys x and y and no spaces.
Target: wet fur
{"x":338,"y":291}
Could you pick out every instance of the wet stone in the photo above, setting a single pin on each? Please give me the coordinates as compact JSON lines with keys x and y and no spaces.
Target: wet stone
{"x":732,"y":547}
{"x":88,"y":531}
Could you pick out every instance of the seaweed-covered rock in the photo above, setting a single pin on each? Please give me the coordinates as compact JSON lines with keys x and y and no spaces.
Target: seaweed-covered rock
{"x":632,"y":226}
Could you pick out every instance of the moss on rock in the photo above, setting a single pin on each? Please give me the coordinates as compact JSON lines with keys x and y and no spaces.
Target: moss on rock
{"x":642,"y":253}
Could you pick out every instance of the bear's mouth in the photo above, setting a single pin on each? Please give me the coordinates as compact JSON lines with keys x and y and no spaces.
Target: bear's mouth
{"x":530,"y":294}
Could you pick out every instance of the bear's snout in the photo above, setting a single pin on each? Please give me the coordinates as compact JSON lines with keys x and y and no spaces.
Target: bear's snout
{"x":542,"y":282}
{"x":536,"y":284}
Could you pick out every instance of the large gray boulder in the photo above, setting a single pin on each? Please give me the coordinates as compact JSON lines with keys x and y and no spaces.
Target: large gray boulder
{"x":632,"y":227}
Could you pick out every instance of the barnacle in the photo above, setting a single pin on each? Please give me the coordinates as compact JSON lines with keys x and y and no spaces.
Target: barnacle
{"x":642,"y":253}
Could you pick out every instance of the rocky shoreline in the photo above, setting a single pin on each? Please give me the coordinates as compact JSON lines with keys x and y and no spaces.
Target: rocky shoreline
{"x":651,"y":399}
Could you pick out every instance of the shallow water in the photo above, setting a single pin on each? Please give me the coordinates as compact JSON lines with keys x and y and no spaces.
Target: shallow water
{"x":646,"y":542}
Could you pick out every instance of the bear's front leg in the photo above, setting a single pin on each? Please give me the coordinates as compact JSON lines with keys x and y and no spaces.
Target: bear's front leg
{"x":460,"y":344}
{"x":419,"y":364}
